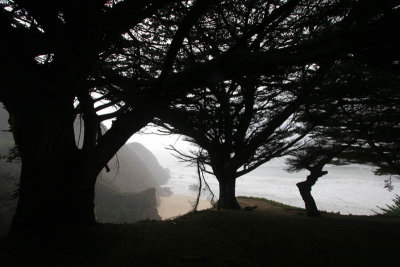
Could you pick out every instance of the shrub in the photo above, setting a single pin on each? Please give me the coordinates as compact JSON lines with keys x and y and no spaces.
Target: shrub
{"x":392,"y":210}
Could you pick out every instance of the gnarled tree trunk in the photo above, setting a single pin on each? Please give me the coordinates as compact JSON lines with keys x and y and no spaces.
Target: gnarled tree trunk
{"x":305,"y":192}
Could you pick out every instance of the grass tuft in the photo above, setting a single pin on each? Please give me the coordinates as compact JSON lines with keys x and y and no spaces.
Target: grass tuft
{"x":274,"y":203}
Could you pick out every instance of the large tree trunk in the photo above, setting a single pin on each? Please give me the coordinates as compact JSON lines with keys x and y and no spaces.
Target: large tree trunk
{"x":227,"y":198}
{"x":305,"y":192}
{"x":52,"y":192}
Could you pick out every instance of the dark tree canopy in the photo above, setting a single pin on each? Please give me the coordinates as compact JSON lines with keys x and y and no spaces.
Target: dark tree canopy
{"x":242,"y":123}
{"x":71,"y":55}
{"x":365,"y":109}
{"x":140,"y":56}
{"x":355,"y":121}
{"x":237,"y":125}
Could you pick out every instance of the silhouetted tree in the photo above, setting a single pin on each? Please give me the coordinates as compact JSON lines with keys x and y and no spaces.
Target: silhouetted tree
{"x":51,"y":80}
{"x":115,"y":49}
{"x":364,"y":104}
{"x":237,"y":123}
{"x":313,"y":156}
{"x":238,"y":126}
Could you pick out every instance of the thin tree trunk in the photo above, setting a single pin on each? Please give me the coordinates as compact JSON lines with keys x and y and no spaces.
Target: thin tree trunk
{"x":305,"y":192}
{"x":227,"y":198}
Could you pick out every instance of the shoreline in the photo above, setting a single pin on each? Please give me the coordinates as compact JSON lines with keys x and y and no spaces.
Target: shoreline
{"x":178,"y":205}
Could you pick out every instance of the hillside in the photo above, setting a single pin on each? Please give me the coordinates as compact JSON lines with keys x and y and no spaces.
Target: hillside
{"x":272,"y":235}
{"x":133,"y":171}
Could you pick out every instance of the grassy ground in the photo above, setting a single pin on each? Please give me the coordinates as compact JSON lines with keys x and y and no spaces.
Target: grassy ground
{"x":269,"y":235}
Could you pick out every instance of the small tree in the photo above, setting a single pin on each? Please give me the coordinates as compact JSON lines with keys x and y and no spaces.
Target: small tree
{"x":363,"y":107}
{"x":313,"y":156}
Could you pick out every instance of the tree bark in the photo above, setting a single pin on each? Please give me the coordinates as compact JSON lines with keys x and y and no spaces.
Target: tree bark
{"x":51,"y":192}
{"x":227,"y":198}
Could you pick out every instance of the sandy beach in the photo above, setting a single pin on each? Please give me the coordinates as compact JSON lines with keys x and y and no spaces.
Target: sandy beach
{"x":177,"y":205}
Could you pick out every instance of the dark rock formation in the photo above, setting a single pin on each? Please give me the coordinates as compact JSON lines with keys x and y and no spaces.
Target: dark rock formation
{"x":160,"y":174}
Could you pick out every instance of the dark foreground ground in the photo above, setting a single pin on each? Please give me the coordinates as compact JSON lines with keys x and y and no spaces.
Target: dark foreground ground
{"x":271,"y":235}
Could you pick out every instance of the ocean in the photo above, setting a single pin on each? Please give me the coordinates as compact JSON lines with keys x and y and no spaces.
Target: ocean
{"x":351,"y":189}
{"x":347,"y":190}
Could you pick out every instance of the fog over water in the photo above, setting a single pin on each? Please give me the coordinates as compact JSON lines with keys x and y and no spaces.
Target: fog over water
{"x":352,"y":189}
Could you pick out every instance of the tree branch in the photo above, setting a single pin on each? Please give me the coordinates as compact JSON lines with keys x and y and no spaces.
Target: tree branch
{"x":197,"y":10}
